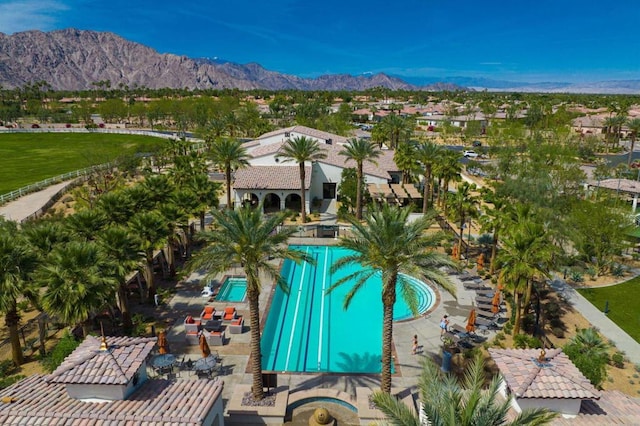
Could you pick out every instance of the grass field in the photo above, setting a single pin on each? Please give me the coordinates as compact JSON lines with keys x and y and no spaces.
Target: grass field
{"x":27,"y":158}
{"x":623,"y":304}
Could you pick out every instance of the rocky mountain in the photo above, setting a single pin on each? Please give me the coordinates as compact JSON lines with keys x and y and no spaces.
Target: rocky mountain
{"x":74,"y":59}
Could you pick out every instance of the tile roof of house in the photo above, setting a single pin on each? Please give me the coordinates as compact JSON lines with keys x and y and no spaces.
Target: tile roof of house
{"x":318,"y":134}
{"x":117,"y":365}
{"x":271,"y":177}
{"x":554,"y":377}
{"x":613,"y":407}
{"x":382,"y":169}
{"x":624,"y":185}
{"x":156,"y":402}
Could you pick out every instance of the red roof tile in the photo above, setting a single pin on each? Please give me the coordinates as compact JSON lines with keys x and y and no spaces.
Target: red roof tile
{"x":157,"y":402}
{"x":271,"y":177}
{"x":555,"y":377}
{"x":88,"y":364}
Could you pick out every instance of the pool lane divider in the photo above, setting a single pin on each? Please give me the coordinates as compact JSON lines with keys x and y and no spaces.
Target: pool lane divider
{"x":322,"y":298}
{"x":295,"y":314}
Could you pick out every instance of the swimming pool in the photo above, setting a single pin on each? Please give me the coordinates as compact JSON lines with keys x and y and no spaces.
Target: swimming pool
{"x":308,"y":331}
{"x":233,"y":289}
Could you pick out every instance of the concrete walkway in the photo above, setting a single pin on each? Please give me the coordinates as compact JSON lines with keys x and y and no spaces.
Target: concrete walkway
{"x":23,"y":207}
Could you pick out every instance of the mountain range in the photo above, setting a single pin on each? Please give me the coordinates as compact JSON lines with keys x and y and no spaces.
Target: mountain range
{"x":74,"y":59}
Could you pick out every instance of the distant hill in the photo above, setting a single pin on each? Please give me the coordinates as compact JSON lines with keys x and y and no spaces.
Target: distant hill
{"x":73,"y":59}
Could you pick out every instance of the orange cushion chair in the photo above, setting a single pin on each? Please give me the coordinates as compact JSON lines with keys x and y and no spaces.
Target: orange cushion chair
{"x":208,"y":313}
{"x":229,"y":313}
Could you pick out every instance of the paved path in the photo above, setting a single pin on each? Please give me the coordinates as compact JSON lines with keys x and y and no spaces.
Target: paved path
{"x":23,"y":207}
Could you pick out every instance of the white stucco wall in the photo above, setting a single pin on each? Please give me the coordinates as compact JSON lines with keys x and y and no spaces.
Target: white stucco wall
{"x":566,"y":407}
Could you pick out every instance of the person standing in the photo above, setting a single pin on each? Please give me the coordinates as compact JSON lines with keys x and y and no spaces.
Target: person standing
{"x":444,"y":323}
{"x":414,"y":349}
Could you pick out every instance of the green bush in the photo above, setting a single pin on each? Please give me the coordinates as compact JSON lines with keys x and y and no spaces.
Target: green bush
{"x":523,"y":341}
{"x":65,"y":346}
{"x":576,"y":277}
{"x":139,"y":325}
{"x":618,"y":359}
{"x":558,"y":332}
{"x":617,"y":270}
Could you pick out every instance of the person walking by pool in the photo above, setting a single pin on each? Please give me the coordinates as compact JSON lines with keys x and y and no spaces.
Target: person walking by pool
{"x":414,"y":349}
{"x":444,"y":323}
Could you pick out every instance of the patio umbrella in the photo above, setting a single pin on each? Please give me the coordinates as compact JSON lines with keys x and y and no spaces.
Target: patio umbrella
{"x":162,"y":343}
{"x":481,"y":262}
{"x":495,"y":302}
{"x":454,"y":251}
{"x":204,"y":346}
{"x":471,"y":321}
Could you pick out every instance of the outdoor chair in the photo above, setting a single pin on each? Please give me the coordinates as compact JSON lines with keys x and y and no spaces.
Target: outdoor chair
{"x":194,"y":326}
{"x":485,"y":300}
{"x":230,"y":313}
{"x":191,"y":337}
{"x":475,"y":286}
{"x":236,"y":326}
{"x":485,"y":313}
{"x":207,"y":313}
{"x":214,"y":338}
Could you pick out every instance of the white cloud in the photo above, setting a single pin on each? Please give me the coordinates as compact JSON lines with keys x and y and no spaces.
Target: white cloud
{"x":22,"y":15}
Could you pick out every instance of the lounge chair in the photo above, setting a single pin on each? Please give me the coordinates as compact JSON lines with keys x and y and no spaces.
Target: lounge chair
{"x":237,"y":326}
{"x":215,"y":338}
{"x":192,"y":337}
{"x":485,"y":300}
{"x":485,"y":324}
{"x":475,"y":286}
{"x":207,"y":313}
{"x":485,"y":314}
{"x":192,"y":326}
{"x":230,"y":313}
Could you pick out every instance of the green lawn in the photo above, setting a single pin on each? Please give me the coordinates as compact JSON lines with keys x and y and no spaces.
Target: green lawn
{"x":27,"y":158}
{"x":623,"y":304}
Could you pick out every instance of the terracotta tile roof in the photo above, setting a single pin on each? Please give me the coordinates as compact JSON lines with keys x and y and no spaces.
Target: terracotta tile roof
{"x":156,"y":402}
{"x":87,"y":364}
{"x":555,"y":377}
{"x":271,"y":177}
{"x":624,"y":185}
{"x":613,"y":407}
{"x":382,"y":169}
{"x":308,"y":131}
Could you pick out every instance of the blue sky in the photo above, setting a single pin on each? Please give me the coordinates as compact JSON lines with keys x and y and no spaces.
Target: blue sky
{"x":543,"y":40}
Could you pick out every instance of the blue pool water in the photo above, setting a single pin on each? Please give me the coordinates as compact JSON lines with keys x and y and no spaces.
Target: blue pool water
{"x":308,"y":331}
{"x":233,"y":289}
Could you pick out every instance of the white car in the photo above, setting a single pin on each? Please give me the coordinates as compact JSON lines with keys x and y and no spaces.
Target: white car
{"x":470,"y":154}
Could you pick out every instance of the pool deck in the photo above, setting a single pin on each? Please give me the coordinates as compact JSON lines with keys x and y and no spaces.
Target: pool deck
{"x":235,"y":353}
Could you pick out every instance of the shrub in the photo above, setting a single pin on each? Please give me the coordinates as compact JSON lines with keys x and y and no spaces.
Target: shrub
{"x":558,"y":332}
{"x":523,"y":341}
{"x":139,"y":325}
{"x":617,"y":270}
{"x":508,"y":327}
{"x":65,"y":346}
{"x":618,"y":359}
{"x":576,"y":277}
{"x":591,"y":271}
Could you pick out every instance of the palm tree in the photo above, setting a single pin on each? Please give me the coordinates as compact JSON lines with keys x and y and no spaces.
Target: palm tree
{"x":634,"y":128}
{"x":494,"y":220}
{"x":123,"y":256}
{"x":229,"y":155}
{"x":248,"y":238}
{"x":17,"y":262}
{"x":427,"y":153}
{"x":405,"y":159}
{"x":526,"y":253}
{"x":448,"y":170}
{"x":86,"y":224}
{"x":445,"y":401}
{"x":392,"y":129}
{"x":302,"y":149}
{"x":360,"y":150}
{"x":387,"y":243}
{"x":466,"y":207}
{"x":206,"y":194}
{"x":151,"y":230}
{"x":77,"y":282}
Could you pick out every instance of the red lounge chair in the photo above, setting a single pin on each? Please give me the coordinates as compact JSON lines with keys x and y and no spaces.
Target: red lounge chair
{"x":208,"y":313}
{"x":229,"y":313}
{"x":236,"y":326}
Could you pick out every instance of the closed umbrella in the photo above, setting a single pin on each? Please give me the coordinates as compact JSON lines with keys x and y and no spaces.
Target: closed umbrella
{"x":495,"y":302}
{"x":454,"y":251}
{"x":204,"y":346}
{"x":471,"y":321}
{"x":481,"y":262}
{"x":162,"y":342}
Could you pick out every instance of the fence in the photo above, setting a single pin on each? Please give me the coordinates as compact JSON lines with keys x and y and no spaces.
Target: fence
{"x":197,"y":144}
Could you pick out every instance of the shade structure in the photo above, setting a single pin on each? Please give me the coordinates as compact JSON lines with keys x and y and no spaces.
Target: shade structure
{"x":204,"y":346}
{"x":471,"y":321}
{"x":162,"y":343}
{"x":495,"y":302}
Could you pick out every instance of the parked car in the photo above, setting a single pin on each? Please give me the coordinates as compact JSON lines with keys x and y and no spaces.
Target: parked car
{"x":477,"y":144}
{"x":470,"y":154}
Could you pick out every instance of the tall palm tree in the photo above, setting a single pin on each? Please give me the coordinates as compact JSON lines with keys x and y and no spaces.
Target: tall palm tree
{"x":206,"y":193}
{"x":17,"y":262}
{"x":526,"y":254}
{"x":494,"y":220}
{"x":448,"y":170}
{"x":86,"y":224}
{"x":123,"y":256}
{"x":360,"y":150}
{"x":151,"y":230}
{"x":634,"y":128}
{"x":229,"y":155}
{"x":405,"y":159}
{"x":392,"y":129}
{"x":466,"y":204}
{"x":449,"y":402}
{"x":427,"y":153}
{"x":248,"y":238}
{"x":77,"y":282}
{"x":302,"y":149}
{"x":387,"y":243}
